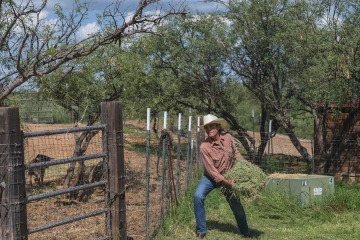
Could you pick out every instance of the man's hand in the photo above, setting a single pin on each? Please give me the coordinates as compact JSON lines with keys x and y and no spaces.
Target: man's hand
{"x":228,"y":183}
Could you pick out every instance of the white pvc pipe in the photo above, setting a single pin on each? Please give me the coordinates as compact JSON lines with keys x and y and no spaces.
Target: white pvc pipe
{"x":148,"y":119}
{"x":198,"y":124}
{"x":179,"y":122}
{"x":270,"y":125}
{"x":165,"y":119}
{"x":189,"y":123}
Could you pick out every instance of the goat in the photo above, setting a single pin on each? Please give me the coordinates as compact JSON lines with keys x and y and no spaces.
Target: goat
{"x":38,"y":172}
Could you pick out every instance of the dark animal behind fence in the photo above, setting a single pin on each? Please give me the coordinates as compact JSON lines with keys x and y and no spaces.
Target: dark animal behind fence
{"x":38,"y":172}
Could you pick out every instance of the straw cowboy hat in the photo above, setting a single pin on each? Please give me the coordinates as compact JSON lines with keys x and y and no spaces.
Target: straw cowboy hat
{"x":209,"y":119}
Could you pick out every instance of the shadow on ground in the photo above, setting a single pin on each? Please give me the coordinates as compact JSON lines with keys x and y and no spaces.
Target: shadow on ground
{"x":231,"y":228}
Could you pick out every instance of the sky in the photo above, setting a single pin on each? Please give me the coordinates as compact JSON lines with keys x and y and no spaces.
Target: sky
{"x":99,"y":4}
{"x":90,"y":25}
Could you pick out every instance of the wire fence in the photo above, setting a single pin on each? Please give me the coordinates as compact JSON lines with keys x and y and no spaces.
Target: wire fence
{"x":152,"y":186}
{"x":160,"y":166}
{"x":160,"y":170}
{"x":46,"y":209}
{"x":73,"y":184}
{"x":181,"y":165}
{"x":280,"y":155}
{"x":161,"y":199}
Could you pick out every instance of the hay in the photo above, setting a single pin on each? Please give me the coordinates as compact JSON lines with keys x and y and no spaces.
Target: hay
{"x":286,"y":176}
{"x":249,"y":180}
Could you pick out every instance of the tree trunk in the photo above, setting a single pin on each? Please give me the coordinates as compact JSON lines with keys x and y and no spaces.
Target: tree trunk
{"x":82,"y":143}
{"x":80,"y":179}
{"x":263,"y":136}
{"x":96,"y":174}
{"x":319,"y":143}
{"x":286,"y":124}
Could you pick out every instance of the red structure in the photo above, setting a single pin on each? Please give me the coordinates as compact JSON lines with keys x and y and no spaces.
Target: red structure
{"x":341,"y":139}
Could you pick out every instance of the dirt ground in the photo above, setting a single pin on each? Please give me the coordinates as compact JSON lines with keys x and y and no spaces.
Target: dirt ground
{"x":56,"y":208}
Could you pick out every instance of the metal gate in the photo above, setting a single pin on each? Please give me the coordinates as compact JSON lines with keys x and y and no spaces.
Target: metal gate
{"x":45,"y":164}
{"x":15,"y":200}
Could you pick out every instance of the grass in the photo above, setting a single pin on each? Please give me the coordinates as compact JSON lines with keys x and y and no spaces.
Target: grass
{"x":275,"y":215}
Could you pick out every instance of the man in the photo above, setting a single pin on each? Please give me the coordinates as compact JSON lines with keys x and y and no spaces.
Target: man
{"x":217,"y":154}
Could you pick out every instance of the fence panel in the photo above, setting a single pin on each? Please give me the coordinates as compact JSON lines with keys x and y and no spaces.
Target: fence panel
{"x":61,"y":200}
{"x":151,"y":189}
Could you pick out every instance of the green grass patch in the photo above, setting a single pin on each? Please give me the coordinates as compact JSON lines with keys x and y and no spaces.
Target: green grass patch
{"x":274,"y":215}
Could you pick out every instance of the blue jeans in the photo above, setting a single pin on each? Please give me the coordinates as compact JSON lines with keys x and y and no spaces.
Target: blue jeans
{"x":205,"y":186}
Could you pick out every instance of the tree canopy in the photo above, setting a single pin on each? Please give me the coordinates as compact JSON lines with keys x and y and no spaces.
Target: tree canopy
{"x":288,"y":58}
{"x":296,"y":56}
{"x":30,"y":46}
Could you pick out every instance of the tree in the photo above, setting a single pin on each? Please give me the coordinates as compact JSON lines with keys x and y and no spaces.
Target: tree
{"x":295,"y":54}
{"x":108,"y":74}
{"x":32,"y":47}
{"x":198,"y":76}
{"x":331,"y":59}
{"x":52,"y":55}
{"x":257,"y":52}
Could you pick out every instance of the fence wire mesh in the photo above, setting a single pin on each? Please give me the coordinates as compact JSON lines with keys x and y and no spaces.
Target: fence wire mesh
{"x":65,"y":207}
{"x":148,"y":197}
{"x":156,"y":183}
{"x":279,"y":154}
{"x":11,"y":172}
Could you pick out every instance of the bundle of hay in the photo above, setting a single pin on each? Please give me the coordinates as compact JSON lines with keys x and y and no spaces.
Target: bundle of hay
{"x":249,"y":180}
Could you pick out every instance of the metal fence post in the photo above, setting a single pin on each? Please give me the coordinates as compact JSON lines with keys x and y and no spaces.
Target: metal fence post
{"x":198,"y":143}
{"x":269,"y":143}
{"x":188,"y":157}
{"x":147,"y":207}
{"x":162,"y":195}
{"x":178,"y":157}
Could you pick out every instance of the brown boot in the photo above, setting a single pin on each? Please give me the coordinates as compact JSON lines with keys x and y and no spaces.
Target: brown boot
{"x":200,"y":235}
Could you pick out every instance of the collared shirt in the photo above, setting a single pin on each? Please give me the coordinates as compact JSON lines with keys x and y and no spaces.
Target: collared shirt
{"x":218,"y":156}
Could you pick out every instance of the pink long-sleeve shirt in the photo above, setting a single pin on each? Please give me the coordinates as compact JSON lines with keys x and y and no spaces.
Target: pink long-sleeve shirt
{"x":217,"y":156}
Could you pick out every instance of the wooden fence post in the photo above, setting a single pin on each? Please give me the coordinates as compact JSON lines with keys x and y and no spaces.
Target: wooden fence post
{"x":111,"y":115}
{"x":13,"y":218}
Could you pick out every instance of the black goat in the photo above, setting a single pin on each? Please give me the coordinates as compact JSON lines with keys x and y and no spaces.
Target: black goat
{"x":38,"y":172}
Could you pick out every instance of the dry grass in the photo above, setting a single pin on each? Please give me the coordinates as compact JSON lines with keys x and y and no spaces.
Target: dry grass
{"x":249,"y":180}
{"x":286,"y":176}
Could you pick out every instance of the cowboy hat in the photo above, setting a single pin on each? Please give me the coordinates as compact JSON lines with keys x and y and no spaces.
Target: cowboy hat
{"x":209,"y":119}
